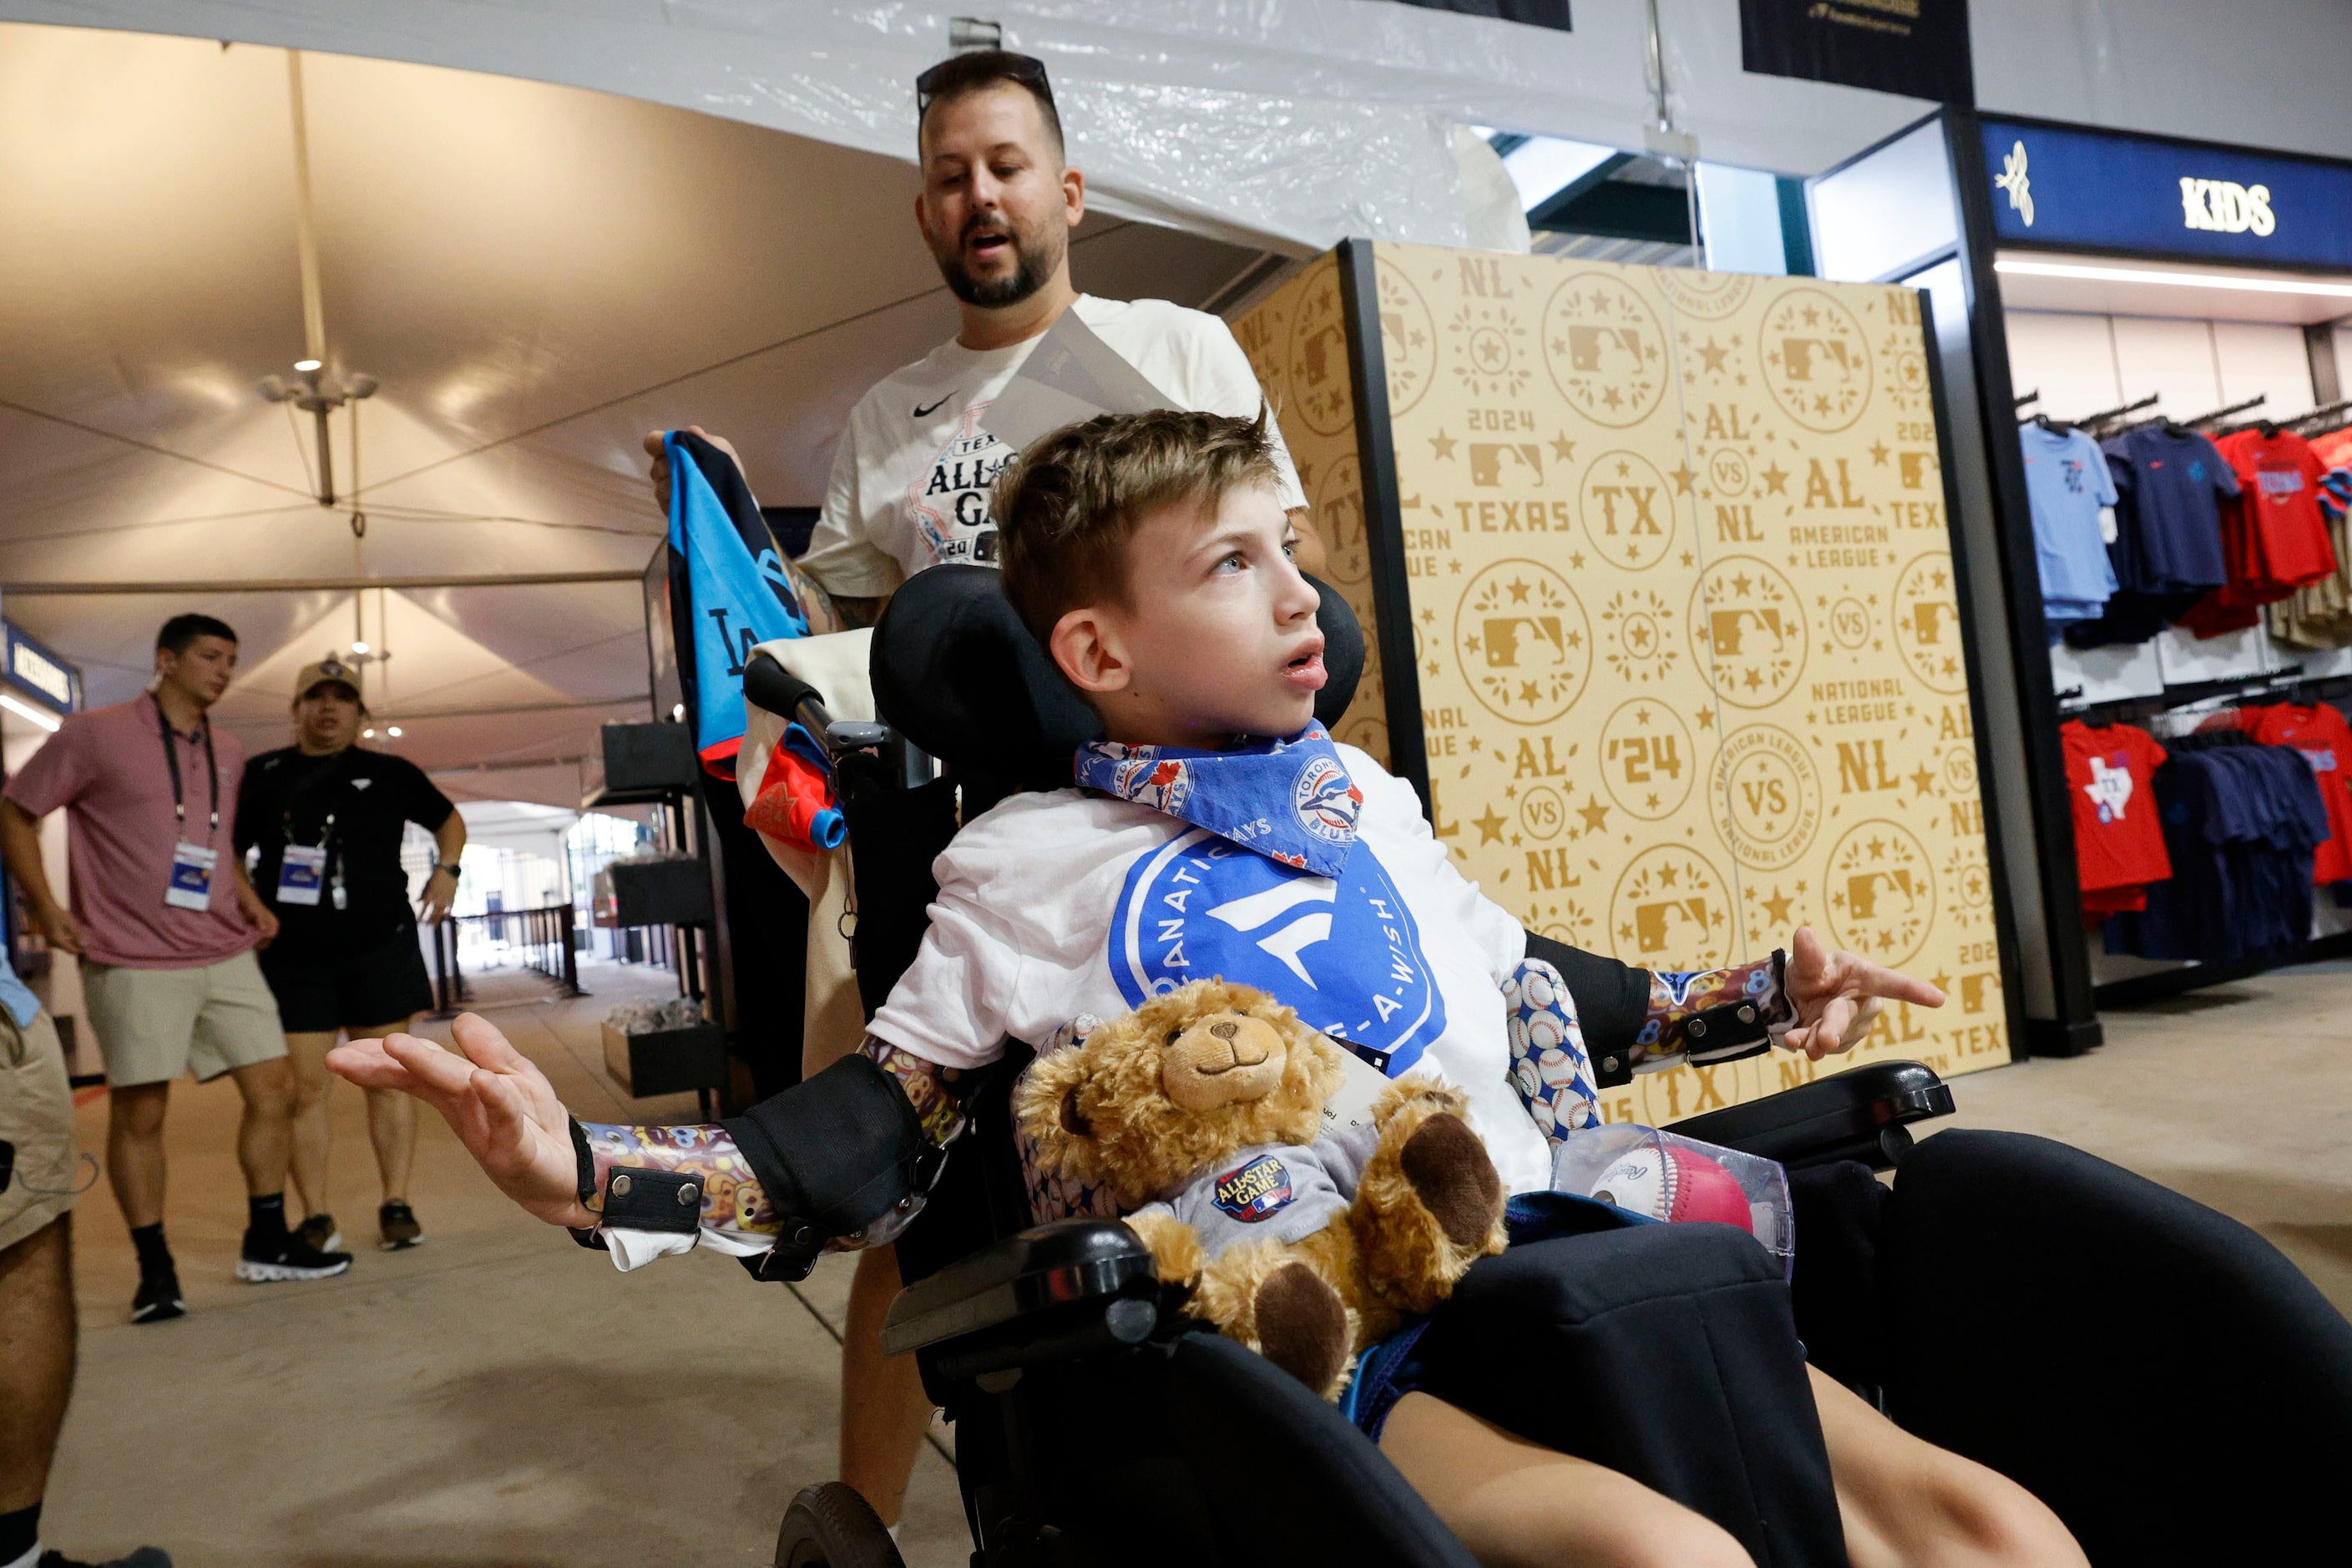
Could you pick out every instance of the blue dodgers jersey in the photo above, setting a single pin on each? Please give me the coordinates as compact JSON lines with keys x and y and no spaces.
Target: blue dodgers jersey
{"x":1344,"y":952}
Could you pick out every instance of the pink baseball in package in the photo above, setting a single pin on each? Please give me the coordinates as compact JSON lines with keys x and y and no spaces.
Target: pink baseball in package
{"x":1664,"y":1176}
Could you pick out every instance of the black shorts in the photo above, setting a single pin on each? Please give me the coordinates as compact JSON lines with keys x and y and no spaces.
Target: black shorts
{"x":318,"y":992}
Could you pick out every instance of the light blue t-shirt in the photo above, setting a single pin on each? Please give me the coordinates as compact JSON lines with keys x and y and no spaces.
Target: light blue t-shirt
{"x":2067,"y":482}
{"x":18,"y":998}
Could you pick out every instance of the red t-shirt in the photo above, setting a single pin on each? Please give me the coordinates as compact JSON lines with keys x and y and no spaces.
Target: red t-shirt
{"x":2320,"y":733}
{"x":2280,"y":477}
{"x":2118,"y":842}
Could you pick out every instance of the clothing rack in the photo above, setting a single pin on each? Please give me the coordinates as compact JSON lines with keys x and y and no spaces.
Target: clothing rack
{"x":2090,"y":422}
{"x":2025,"y":399}
{"x":2286,"y":683}
{"x":2256,"y":401}
{"x":2327,"y":411}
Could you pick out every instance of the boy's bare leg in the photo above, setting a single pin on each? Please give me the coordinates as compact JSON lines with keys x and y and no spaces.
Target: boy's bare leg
{"x":884,"y":1410}
{"x":1514,"y":1502}
{"x":307,"y":1052}
{"x":1909,"y":1504}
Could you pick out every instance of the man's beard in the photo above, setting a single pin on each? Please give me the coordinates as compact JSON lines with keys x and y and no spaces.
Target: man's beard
{"x":1037,"y":255}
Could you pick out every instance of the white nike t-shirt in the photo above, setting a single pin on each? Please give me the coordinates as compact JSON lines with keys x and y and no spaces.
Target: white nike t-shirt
{"x":1065,"y":903}
{"x":910,"y":478}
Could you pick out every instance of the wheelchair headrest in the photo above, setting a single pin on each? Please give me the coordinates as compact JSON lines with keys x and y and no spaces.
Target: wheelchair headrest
{"x":956,"y":673}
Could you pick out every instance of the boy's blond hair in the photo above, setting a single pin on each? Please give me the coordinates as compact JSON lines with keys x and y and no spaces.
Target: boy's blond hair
{"x":1066,"y":508}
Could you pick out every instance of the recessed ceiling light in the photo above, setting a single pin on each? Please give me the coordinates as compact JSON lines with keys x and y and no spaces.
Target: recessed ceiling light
{"x":359,"y":647}
{"x":394,"y":731}
{"x":306,"y":365}
{"x":2172,"y":280}
{"x":367,"y":734}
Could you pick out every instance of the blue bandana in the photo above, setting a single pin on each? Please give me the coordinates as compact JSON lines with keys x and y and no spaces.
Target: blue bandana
{"x":1290,"y":801}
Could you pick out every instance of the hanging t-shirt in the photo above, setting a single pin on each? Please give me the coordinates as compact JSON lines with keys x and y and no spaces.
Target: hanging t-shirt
{"x":2280,"y":475}
{"x":2176,"y":482}
{"x":2118,"y":842}
{"x":2067,"y":481}
{"x":1060,"y":904}
{"x":911,"y":475}
{"x":2325,"y":741}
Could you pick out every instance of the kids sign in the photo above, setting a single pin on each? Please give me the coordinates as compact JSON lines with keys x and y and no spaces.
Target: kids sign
{"x":2063,"y":189}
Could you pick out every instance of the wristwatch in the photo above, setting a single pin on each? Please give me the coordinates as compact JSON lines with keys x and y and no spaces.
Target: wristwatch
{"x":451,"y":867}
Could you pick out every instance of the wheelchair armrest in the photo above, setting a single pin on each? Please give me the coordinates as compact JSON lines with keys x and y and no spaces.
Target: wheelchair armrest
{"x":1046,"y":1294}
{"x":1855,"y":1115}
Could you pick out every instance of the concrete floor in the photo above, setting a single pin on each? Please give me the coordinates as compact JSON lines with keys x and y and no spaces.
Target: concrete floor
{"x":456,"y":1404}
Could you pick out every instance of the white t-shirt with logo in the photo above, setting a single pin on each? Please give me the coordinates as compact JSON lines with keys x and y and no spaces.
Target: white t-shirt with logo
{"x":911,"y":479}
{"x":1059,"y":904}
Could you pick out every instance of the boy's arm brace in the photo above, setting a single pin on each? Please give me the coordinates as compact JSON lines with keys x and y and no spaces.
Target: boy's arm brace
{"x":844,"y":1159}
{"x":1570,"y":1008}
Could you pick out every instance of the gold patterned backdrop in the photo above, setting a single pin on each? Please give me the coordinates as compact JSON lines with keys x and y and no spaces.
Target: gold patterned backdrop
{"x":1682,"y":591}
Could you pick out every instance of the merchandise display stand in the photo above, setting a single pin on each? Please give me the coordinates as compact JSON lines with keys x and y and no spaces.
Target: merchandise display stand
{"x":2101,"y":280}
{"x":1664,"y":614}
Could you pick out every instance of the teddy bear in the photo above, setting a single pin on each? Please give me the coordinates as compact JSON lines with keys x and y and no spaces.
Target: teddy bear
{"x":1306,"y":1238}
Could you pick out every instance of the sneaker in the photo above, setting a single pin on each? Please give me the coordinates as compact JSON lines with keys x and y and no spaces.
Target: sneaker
{"x":145,"y":1557}
{"x":287,"y":1257}
{"x":158,"y":1300}
{"x":398,"y":1223}
{"x":318,"y":1233}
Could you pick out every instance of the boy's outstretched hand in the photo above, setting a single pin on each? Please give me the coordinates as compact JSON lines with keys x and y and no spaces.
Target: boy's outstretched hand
{"x":1837,"y":995}
{"x":498,"y":1104}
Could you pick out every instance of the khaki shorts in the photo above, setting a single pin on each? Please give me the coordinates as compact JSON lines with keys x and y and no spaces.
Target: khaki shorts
{"x":36,"y":1115}
{"x":155,"y":1024}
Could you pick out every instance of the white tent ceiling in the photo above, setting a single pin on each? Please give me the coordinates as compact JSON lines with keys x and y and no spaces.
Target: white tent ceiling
{"x":536,"y":274}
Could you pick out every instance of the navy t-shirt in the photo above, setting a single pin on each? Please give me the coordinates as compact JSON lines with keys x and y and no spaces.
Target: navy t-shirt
{"x":2174,"y":485}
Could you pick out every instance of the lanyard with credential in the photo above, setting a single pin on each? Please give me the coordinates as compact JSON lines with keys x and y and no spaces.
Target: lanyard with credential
{"x":190,"y":884}
{"x":172,"y":761}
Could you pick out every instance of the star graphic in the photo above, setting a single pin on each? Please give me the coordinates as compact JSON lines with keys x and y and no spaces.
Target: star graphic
{"x":1519,"y":587}
{"x":1562,"y":448}
{"x":1682,"y":476}
{"x":1712,"y":354}
{"x":1707,"y":718}
{"x":1941,"y":982}
{"x":1529,"y":691}
{"x":1455,"y":566}
{"x":1924,"y":780}
{"x":1776,"y":908}
{"x":1441,"y":444}
{"x":1686,"y":558}
{"x":1490,"y":827}
{"x":1641,"y":716}
{"x":1877,"y":848}
{"x":1651,"y":801}
{"x":1878,"y":454}
{"x":1812,"y":317}
{"x":1666,"y":875}
{"x":1595,"y":814}
{"x":1754,"y":680}
{"x":1576,"y":561}
{"x":1742,"y":584}
{"x":1776,"y":480}
{"x":1612,"y":397}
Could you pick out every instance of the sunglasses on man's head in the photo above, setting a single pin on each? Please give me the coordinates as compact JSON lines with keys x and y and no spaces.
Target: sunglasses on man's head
{"x":1025,"y":68}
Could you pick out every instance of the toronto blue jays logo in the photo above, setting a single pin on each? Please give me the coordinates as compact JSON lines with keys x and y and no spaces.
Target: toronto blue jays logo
{"x":1343,"y":951}
{"x":1327,"y":800}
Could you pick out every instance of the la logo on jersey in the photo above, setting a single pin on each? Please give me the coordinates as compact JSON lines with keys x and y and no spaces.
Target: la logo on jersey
{"x":1343,"y":951}
{"x":2110,"y":786}
{"x":948,"y":505}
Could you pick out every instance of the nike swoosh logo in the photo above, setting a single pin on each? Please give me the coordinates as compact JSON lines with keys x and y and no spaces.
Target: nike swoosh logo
{"x":934,"y":408}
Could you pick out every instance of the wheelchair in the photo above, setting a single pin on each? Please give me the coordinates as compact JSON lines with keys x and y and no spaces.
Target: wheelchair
{"x":2158,"y":1375}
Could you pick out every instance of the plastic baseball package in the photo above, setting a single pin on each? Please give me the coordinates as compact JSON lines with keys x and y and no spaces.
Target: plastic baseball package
{"x":1663,"y":1176}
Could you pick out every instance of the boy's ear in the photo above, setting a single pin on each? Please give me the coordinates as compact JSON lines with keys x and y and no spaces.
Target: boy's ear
{"x":1088,"y":652}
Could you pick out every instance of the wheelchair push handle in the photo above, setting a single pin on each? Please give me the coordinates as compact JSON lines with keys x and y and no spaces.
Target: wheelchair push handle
{"x":768,"y":684}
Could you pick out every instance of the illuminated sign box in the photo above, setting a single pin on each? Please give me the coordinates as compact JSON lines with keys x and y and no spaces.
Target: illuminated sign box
{"x":2064,"y":189}
{"x":38,"y":673}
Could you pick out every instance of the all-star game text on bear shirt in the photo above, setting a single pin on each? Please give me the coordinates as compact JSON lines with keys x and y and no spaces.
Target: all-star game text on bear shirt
{"x":1065,"y":903}
{"x":910,"y":478}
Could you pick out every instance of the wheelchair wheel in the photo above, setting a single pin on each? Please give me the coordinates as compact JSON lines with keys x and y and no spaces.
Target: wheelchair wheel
{"x":831,"y":1526}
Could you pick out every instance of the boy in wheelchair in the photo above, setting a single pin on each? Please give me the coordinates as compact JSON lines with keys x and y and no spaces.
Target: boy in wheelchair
{"x":1152,"y":558}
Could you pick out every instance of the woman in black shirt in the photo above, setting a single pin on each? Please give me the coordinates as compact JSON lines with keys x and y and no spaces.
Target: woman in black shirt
{"x":327,"y":817}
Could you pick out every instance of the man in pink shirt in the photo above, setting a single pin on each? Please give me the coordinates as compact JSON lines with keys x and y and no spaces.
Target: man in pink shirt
{"x":166,"y":924}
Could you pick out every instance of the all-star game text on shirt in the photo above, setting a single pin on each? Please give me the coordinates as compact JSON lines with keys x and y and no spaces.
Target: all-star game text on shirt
{"x":911,"y":477}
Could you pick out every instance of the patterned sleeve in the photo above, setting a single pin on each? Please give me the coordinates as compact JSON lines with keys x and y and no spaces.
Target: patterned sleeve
{"x":1678,"y":996}
{"x":1550,"y":1066}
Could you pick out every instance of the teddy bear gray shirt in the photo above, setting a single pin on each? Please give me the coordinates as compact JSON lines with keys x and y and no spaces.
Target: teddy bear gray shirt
{"x":1285,"y":1192}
